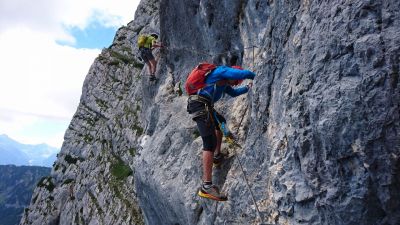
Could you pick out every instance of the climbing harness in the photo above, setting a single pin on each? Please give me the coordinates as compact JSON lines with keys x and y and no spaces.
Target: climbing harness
{"x":207,"y":105}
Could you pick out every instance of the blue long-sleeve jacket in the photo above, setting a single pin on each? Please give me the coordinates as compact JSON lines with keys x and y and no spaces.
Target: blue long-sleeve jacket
{"x":215,"y":92}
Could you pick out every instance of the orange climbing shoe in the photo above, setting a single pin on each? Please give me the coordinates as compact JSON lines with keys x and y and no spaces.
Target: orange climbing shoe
{"x":212,"y":193}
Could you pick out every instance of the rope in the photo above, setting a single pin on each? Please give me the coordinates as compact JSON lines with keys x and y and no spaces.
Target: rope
{"x":229,"y":138}
{"x":214,"y":54}
{"x":253,"y":56}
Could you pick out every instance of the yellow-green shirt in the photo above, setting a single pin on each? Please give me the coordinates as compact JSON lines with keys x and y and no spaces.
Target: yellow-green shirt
{"x":150,"y":40}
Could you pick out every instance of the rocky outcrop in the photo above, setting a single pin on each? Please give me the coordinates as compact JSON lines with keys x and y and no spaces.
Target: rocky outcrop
{"x":319,"y":130}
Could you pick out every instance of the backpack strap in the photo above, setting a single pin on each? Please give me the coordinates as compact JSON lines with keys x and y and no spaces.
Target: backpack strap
{"x":209,"y":95}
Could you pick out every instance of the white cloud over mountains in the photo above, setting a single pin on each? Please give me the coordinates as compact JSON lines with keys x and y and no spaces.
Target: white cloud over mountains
{"x":52,"y":17}
{"x":41,"y":80}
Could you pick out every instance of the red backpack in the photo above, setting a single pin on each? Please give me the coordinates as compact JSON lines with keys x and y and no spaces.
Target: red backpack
{"x":196,"y":78}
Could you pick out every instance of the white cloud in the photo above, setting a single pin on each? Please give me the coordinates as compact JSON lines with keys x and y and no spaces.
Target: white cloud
{"x":36,"y":71}
{"x":39,"y":79}
{"x":29,"y":128}
{"x":51,"y":17}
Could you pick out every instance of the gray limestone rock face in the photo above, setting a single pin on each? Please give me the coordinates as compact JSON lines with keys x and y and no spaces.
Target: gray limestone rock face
{"x":319,"y":130}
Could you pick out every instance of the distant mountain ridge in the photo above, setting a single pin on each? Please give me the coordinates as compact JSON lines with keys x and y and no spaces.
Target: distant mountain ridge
{"x":16,"y":188}
{"x":15,"y":153}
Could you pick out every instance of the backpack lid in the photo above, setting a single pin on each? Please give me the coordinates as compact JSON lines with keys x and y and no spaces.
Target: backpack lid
{"x":196,"y":78}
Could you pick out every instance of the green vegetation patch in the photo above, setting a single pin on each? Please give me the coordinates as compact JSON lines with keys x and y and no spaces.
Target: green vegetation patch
{"x":88,"y":138}
{"x":113,"y":63}
{"x":137,"y":216}
{"x":132,"y":151}
{"x":57,"y":166}
{"x":102,"y":103}
{"x":46,"y":183}
{"x":180,"y":92}
{"x":124,"y":58}
{"x":118,"y":57}
{"x":139,"y":130}
{"x":127,"y":49}
{"x":101,"y":58}
{"x":120,"y":170}
{"x":71,"y":159}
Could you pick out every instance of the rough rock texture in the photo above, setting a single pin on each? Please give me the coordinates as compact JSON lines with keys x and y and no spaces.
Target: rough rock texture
{"x":319,"y":130}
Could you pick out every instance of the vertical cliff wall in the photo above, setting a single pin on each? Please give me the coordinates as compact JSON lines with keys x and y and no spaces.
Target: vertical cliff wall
{"x":319,"y":129}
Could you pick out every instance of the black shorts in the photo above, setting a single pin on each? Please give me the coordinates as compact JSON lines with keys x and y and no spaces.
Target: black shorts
{"x":207,"y":123}
{"x":146,"y":54}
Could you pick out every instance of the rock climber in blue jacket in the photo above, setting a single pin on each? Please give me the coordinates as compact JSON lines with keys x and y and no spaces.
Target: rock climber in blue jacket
{"x":201,"y":106}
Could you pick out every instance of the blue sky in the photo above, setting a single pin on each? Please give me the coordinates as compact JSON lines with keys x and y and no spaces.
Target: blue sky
{"x":47,"y":48}
{"x":94,"y":36}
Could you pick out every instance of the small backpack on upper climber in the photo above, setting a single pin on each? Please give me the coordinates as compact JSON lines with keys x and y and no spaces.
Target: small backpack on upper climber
{"x":141,"y":40}
{"x":144,"y":40}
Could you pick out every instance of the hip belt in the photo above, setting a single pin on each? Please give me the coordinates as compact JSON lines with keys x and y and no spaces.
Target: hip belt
{"x":208,"y":106}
